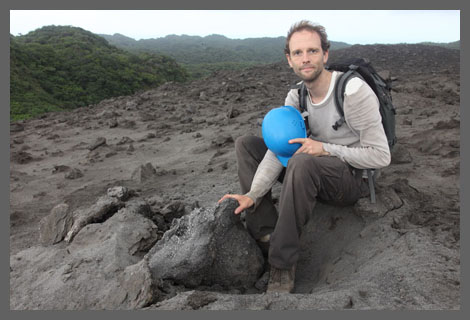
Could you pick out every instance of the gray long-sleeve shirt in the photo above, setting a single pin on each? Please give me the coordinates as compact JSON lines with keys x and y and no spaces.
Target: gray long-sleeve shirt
{"x":361,"y":141}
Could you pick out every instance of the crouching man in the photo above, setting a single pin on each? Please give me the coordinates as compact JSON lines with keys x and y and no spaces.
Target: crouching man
{"x":327,"y":166}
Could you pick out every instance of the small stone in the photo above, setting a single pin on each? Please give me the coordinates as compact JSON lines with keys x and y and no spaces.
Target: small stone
{"x":119,"y":192}
{"x":54,"y":227}
{"x":74,"y":174}
{"x":144,"y":172}
{"x":99,"y":142}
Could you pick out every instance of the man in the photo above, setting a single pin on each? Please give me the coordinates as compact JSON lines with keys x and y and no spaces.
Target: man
{"x":326,"y":166}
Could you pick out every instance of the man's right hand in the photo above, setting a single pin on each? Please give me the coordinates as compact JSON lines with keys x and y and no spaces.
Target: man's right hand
{"x":244,"y":201}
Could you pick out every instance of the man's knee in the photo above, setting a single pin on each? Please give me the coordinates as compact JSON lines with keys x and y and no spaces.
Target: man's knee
{"x":301,"y":161}
{"x":244,"y":143}
{"x":305,"y":167}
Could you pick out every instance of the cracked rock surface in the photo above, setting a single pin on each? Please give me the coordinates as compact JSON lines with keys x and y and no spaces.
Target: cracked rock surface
{"x":208,"y":247}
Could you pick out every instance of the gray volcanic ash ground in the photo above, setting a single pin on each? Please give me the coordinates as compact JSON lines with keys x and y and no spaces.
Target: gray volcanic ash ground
{"x":98,"y":194}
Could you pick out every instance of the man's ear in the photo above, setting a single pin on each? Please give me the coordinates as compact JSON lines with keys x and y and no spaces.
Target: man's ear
{"x":325,"y":56}
{"x":288,"y":59}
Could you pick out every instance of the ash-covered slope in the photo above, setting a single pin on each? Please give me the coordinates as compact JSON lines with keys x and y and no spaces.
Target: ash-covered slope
{"x":172,"y":147}
{"x":404,"y":59}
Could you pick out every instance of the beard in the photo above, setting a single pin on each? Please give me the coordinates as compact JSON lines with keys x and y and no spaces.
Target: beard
{"x":311,"y":77}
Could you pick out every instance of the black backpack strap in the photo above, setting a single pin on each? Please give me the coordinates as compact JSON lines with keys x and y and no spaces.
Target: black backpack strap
{"x":339,"y":99}
{"x":339,"y":93}
{"x":371,"y":180}
{"x":303,"y":93}
{"x":302,"y":90}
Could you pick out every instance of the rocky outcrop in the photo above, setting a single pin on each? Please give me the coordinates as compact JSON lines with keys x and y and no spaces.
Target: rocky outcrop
{"x":208,"y":247}
{"x":102,"y":268}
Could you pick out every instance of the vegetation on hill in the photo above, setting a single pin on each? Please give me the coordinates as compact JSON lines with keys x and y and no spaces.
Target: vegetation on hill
{"x":58,"y":68}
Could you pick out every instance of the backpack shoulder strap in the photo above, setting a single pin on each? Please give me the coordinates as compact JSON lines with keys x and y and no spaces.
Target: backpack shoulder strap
{"x":302,"y":91}
{"x":340,"y":88}
{"x":302,"y":97}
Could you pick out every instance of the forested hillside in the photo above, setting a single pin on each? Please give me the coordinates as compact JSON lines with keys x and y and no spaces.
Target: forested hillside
{"x":203,"y":55}
{"x":59,"y":68}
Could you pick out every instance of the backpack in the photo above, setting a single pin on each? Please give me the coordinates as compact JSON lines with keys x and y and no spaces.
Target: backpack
{"x":361,"y":68}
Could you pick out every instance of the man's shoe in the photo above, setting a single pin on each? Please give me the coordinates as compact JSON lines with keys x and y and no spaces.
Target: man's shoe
{"x":281,"y":280}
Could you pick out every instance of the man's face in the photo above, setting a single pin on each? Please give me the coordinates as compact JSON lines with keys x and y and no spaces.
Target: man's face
{"x":306,"y":56}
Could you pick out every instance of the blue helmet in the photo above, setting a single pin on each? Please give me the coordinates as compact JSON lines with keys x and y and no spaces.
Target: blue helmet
{"x":279,"y":126}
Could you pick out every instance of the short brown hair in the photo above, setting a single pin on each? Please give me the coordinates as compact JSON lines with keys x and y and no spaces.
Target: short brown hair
{"x":307,"y":25}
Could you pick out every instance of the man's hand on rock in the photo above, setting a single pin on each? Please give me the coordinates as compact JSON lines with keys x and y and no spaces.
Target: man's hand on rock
{"x":244,"y":201}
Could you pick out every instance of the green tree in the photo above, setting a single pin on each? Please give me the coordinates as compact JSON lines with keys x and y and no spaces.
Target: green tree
{"x":59,"y":68}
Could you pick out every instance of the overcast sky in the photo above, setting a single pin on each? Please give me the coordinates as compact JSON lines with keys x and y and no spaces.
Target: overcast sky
{"x":353,"y":27}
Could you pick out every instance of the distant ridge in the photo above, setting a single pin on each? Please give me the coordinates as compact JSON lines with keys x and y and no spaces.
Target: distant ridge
{"x":214,"y":48}
{"x":449,"y":45}
{"x":203,"y":55}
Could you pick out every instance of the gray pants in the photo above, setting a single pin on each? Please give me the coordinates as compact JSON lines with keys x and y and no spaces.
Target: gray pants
{"x":306,"y":179}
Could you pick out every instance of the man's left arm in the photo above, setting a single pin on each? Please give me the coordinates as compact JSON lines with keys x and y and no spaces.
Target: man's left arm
{"x":362,"y":115}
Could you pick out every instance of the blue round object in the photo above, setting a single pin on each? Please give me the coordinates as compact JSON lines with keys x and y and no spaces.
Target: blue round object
{"x":279,"y":126}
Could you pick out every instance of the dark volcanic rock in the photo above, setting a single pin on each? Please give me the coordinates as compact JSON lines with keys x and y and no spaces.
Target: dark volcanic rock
{"x":144,"y":172}
{"x":16,"y":127}
{"x":401,"y":155}
{"x":208,"y":247}
{"x":172,"y":211}
{"x":119,"y":192}
{"x":125,"y":123}
{"x":74,"y":174}
{"x":22,"y":157}
{"x":99,"y":142}
{"x":113,"y":123}
{"x":222,"y":141}
{"x":387,"y":200}
{"x":61,"y":168}
{"x":450,"y":124}
{"x":125,"y":140}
